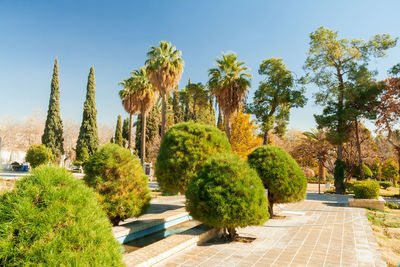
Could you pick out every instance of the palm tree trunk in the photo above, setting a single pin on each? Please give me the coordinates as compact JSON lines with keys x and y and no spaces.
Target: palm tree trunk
{"x":360,"y":163}
{"x":143,"y":138}
{"x":321,"y":174}
{"x":163,"y":114}
{"x":227,"y":127}
{"x":130,"y":131}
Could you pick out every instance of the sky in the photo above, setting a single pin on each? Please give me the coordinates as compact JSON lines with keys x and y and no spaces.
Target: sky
{"x":114,"y":36}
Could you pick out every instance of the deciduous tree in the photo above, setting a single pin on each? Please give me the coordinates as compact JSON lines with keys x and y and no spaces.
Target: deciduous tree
{"x":275,"y":96}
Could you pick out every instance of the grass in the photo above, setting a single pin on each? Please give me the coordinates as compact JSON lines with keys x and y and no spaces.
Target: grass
{"x":389,"y":192}
{"x":386,"y":227}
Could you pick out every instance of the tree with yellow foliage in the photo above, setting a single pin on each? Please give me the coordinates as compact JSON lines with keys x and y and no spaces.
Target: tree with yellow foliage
{"x":243,"y":135}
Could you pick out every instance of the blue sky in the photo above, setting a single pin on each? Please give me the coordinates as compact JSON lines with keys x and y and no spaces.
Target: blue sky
{"x":114,"y":36}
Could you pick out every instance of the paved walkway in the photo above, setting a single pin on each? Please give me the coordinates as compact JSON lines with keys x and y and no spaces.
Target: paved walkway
{"x":321,"y":231}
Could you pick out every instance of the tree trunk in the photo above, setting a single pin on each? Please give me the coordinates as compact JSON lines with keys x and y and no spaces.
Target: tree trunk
{"x":321,"y":170}
{"x":143,"y":138}
{"x":265,"y":142}
{"x":130,"y":132}
{"x":232,"y":234}
{"x":360,"y":163}
{"x":271,"y":209}
{"x":227,"y":127}
{"x":163,"y":114}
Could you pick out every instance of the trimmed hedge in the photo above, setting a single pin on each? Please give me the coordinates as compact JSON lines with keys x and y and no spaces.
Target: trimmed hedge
{"x":38,"y":155}
{"x":280,"y":174}
{"x":184,"y":149}
{"x":366,"y":189}
{"x":53,"y":219}
{"x":119,"y":179}
{"x":385,"y":184}
{"x":227,"y":193}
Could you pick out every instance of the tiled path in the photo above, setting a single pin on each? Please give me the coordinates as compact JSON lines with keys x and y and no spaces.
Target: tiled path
{"x":321,"y":231}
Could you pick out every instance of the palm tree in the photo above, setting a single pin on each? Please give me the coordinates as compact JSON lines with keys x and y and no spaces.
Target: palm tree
{"x":127,"y":102}
{"x":229,"y":83}
{"x":164,"y":67}
{"x":318,"y":146}
{"x":142,"y":96}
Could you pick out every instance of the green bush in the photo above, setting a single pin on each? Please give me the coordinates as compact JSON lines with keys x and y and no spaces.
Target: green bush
{"x":184,"y":149}
{"x":120,"y":182}
{"x":227,"y":193}
{"x":280,"y":174}
{"x":366,"y":189}
{"x":390,"y":171}
{"x":38,"y":155}
{"x":53,"y":219}
{"x":367,"y":172}
{"x":385,"y":184}
{"x":349,"y":186}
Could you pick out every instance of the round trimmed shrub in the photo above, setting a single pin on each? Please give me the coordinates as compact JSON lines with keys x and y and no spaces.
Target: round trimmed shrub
{"x":53,"y":219}
{"x":280,"y":174}
{"x":38,"y":155}
{"x":119,"y":179}
{"x":366,"y":189}
{"x":227,"y":193}
{"x":385,"y":184}
{"x":184,"y":149}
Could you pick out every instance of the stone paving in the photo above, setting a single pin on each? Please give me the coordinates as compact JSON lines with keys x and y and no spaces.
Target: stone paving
{"x":321,"y":231}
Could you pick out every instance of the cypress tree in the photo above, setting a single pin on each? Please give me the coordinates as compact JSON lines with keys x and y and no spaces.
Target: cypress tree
{"x":53,"y":130}
{"x":118,"y":132}
{"x":88,"y":140}
{"x":125,"y":132}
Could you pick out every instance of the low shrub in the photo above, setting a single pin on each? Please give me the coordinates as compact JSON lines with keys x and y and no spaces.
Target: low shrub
{"x":184,"y":149}
{"x":366,"y":189}
{"x":119,"y":179}
{"x":38,"y":155}
{"x":385,"y":184}
{"x":227,"y":193}
{"x":349,"y":187}
{"x":393,"y":206}
{"x":280,"y":173}
{"x":53,"y":219}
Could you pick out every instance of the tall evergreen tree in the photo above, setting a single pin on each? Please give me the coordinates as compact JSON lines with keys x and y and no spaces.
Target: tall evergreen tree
{"x":125,"y":132}
{"x":53,"y":130}
{"x":118,"y":132}
{"x":88,"y":140}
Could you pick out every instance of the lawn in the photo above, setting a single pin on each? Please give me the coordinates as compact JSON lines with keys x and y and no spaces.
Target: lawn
{"x":389,"y":192}
{"x":386,"y":226}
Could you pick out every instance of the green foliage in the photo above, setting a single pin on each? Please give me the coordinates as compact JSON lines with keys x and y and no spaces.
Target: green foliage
{"x":350,"y":187}
{"x":53,"y":129}
{"x":385,"y":184}
{"x":120,"y":182}
{"x":280,"y":174}
{"x":227,"y":193}
{"x":390,"y":205}
{"x":125,"y":132}
{"x":275,"y":96}
{"x":118,"y":139}
{"x":88,"y":134}
{"x":367,"y":171}
{"x":184,"y":149}
{"x":366,"y":189}
{"x":82,"y":156}
{"x":53,"y":219}
{"x":390,"y":171}
{"x":339,"y":177}
{"x":38,"y":155}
